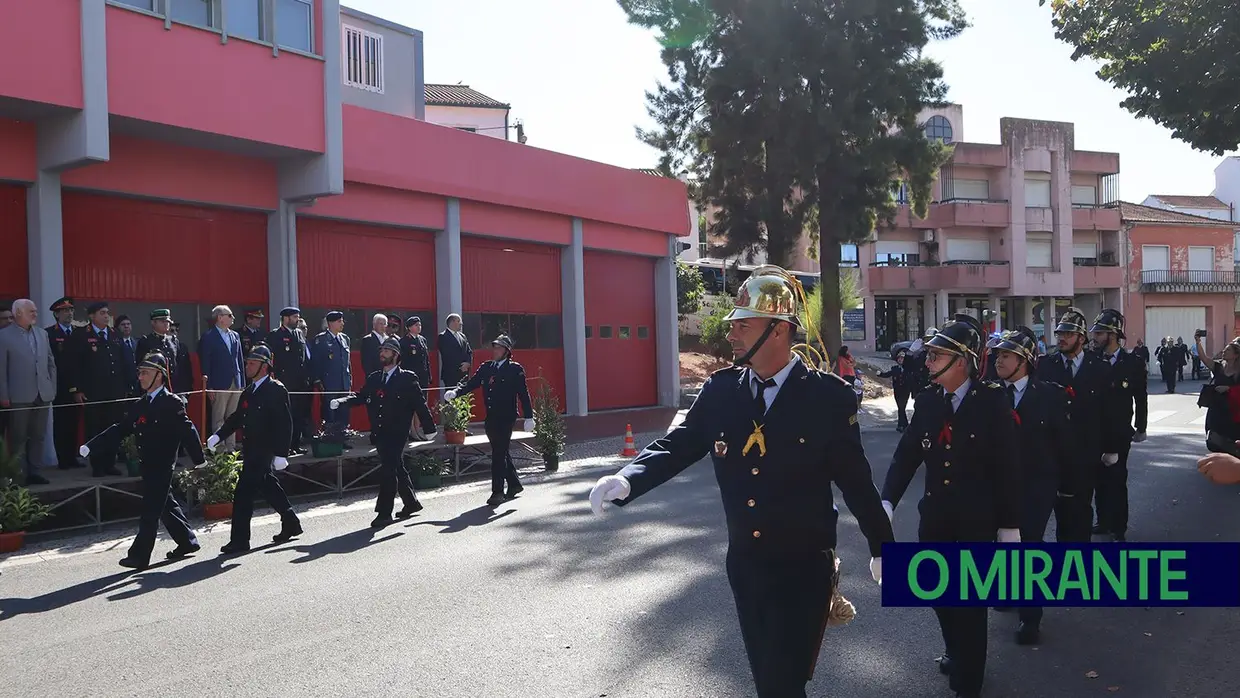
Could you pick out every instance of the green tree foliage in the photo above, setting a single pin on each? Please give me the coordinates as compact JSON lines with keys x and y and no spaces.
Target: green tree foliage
{"x":1177,"y":61}
{"x":714,"y":333}
{"x":690,"y":289}
{"x":781,"y":109}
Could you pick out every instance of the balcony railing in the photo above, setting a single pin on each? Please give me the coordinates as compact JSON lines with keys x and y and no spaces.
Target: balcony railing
{"x":1191,"y":281}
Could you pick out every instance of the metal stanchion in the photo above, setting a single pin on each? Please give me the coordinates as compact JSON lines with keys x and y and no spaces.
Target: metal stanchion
{"x":206,"y":421}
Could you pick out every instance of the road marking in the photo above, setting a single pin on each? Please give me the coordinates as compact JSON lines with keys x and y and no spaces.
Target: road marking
{"x":1159,"y":415}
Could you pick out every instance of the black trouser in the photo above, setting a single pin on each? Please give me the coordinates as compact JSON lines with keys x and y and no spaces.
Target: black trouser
{"x":393,"y":478}
{"x":159,"y":505}
{"x":963,"y":628}
{"x":256,"y":479}
{"x":1196,"y":368}
{"x":901,"y":407}
{"x":65,"y":422}
{"x":100,"y":416}
{"x":1073,"y":513}
{"x":781,"y":603}
{"x":1111,"y":493}
{"x":499,"y":434}
{"x":299,"y":405}
{"x":1169,"y":377}
{"x":1039,"y":503}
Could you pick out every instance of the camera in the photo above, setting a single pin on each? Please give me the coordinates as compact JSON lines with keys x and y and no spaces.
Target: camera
{"x":1199,"y":333}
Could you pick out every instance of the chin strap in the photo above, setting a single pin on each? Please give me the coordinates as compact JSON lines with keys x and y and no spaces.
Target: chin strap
{"x":744,"y":360}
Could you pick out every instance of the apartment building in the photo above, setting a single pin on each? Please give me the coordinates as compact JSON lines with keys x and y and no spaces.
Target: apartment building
{"x":1017,"y":232}
{"x":467,"y":109}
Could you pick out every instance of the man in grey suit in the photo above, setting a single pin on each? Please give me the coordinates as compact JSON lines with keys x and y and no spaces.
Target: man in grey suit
{"x":27,"y":380}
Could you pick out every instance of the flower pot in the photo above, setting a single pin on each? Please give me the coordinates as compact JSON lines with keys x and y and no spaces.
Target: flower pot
{"x":323,"y":449}
{"x":215,"y":512}
{"x":134,"y":468}
{"x":551,"y":461}
{"x":12,"y":542}
{"x":454,"y":437}
{"x":428,"y":482}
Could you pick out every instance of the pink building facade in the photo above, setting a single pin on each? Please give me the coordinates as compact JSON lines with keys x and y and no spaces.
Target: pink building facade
{"x":1016,"y":233}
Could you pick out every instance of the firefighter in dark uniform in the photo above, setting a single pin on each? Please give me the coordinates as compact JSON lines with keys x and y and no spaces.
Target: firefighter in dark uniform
{"x":161,"y":428}
{"x":415,"y":353}
{"x":67,"y":415}
{"x":263,"y":412}
{"x":780,"y":513}
{"x":990,"y":374}
{"x":98,"y":380}
{"x":161,"y":341}
{"x":1126,"y":386}
{"x":503,"y":384}
{"x":392,"y":397}
{"x":1083,"y":375}
{"x":330,"y":366}
{"x":291,"y":357}
{"x":1043,"y":440}
{"x":963,"y":431}
{"x":252,"y":333}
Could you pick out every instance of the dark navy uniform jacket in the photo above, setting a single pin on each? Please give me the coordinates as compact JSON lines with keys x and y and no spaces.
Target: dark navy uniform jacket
{"x":178,"y":359}
{"x":415,"y":355}
{"x":58,"y":340}
{"x":329,"y":362}
{"x":289,"y":358}
{"x":97,"y":365}
{"x":392,"y":405}
{"x":780,"y":502}
{"x":1084,"y":405}
{"x":1126,"y":386}
{"x":1044,"y":440}
{"x":263,"y":413}
{"x":161,"y":429}
{"x":973,"y":470}
{"x":503,"y":385}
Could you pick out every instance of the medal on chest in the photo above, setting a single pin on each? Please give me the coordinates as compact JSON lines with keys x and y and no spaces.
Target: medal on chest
{"x":755,"y":439}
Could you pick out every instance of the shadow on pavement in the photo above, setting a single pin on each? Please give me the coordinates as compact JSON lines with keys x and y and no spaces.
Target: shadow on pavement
{"x":478,"y":516}
{"x":340,"y":545}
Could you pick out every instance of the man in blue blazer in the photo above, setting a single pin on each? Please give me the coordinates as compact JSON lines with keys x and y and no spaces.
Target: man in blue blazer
{"x":219,"y":353}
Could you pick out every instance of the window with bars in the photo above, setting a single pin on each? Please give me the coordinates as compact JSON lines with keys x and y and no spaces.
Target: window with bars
{"x":363,"y":59}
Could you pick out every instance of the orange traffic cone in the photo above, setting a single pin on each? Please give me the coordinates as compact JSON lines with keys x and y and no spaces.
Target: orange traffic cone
{"x":630,"y":449}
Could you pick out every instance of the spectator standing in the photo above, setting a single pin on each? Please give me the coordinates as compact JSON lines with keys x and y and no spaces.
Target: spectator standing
{"x":27,"y":380}
{"x":219,"y":353}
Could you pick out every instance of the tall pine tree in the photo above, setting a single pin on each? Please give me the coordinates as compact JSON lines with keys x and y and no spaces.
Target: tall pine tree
{"x":811,"y":103}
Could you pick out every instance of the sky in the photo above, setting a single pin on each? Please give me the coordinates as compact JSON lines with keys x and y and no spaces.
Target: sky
{"x":576,"y":74}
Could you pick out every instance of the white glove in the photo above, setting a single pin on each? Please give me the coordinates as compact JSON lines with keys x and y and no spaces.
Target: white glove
{"x":528,"y":425}
{"x":1110,"y":458}
{"x":212,"y":442}
{"x":876,"y":569}
{"x":84,"y":451}
{"x":449,"y":396}
{"x":607,"y":489}
{"x":1138,"y":437}
{"x":1009,"y":535}
{"x":891,"y":511}
{"x":335,"y":402}
{"x":279,"y":462}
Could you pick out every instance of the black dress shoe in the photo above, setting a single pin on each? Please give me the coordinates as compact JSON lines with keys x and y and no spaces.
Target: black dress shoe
{"x":233,"y":548}
{"x":288,"y":531}
{"x":183,"y":550}
{"x":1028,"y":634}
{"x":514,"y":491}
{"x":1119,"y":537}
{"x":945,"y":664}
{"x":134,"y":564}
{"x":382,"y":520}
{"x":409,"y":510}
{"x":495,"y":500}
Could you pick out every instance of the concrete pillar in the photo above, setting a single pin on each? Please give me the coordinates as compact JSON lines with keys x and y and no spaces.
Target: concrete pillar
{"x":995,"y":304}
{"x":322,"y":174}
{"x":667,"y":327}
{"x":871,"y":325}
{"x":45,"y":242}
{"x":1051,"y":318}
{"x":929,"y":318}
{"x":448,"y":264}
{"x":281,"y":260}
{"x":573,"y":323}
{"x":942,"y":309}
{"x":1026,"y":311}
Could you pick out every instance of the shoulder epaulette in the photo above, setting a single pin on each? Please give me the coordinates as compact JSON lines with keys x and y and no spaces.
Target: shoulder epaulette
{"x":728,"y":370}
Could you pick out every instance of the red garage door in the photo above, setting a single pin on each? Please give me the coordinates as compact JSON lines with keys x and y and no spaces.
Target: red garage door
{"x":139,"y":255}
{"x":14,"y":278}
{"x":621,"y":358}
{"x":514,"y":288}
{"x":360,"y":270}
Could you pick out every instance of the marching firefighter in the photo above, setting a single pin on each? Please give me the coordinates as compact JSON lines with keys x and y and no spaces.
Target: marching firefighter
{"x":392,"y":397}
{"x":963,"y":432}
{"x":1041,"y":415}
{"x":1083,"y":375}
{"x":263,"y":412}
{"x":1125,"y":387}
{"x":158,"y":422}
{"x":503,"y":384}
{"x":780,"y":513}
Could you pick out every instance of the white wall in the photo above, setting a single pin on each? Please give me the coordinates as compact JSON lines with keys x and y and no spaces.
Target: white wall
{"x":1227,"y":181}
{"x":492,"y":120}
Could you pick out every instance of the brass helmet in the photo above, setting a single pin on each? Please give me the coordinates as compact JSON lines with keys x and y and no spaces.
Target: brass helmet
{"x":961,"y":336}
{"x":770,"y":292}
{"x":1072,"y":320}
{"x":1020,"y":341}
{"x":1109,"y":320}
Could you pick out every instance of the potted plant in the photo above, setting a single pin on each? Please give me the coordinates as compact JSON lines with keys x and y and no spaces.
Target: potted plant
{"x":428,"y":470}
{"x":329,"y":443}
{"x":10,"y":465}
{"x":215,"y":483}
{"x":19,"y":509}
{"x":454,"y":417}
{"x":133,"y":462}
{"x":549,"y":430}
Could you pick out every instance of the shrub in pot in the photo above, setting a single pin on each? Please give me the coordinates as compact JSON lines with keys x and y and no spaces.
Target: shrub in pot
{"x":549,"y":433}
{"x":454,"y":418}
{"x":428,"y":470}
{"x":19,"y":510}
{"x":133,"y":460}
{"x":214,"y":484}
{"x":11,"y":466}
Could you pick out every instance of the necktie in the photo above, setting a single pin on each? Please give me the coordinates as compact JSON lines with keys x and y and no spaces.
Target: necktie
{"x":948,"y":399}
{"x":760,"y":398}
{"x":1071,"y":366}
{"x":1011,"y":393}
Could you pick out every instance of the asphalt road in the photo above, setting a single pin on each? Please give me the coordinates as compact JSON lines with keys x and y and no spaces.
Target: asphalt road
{"x":542,"y":598}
